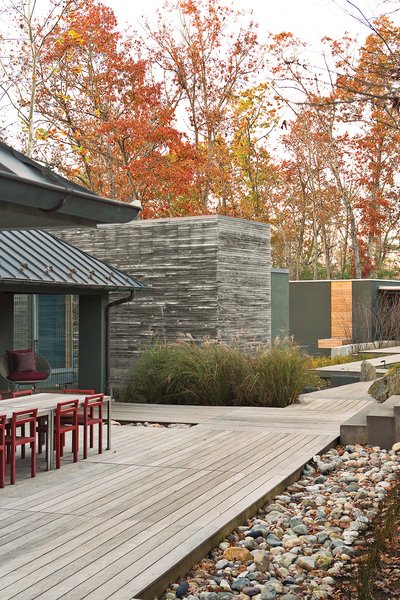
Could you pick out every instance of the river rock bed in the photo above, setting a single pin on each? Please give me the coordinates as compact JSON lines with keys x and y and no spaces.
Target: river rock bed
{"x":297,"y":544}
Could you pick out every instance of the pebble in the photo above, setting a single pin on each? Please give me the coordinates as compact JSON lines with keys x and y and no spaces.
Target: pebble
{"x":295,"y":546}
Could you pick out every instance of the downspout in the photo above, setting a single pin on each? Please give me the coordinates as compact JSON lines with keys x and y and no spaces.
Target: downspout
{"x":108,"y":308}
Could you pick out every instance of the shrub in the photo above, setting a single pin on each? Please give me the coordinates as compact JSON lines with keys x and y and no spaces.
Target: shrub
{"x":326,"y":361}
{"x":280,"y":375}
{"x":213,"y":374}
{"x":183,"y":373}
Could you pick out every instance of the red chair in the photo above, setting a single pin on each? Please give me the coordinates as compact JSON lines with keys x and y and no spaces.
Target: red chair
{"x":21,"y":393}
{"x":92,"y":415}
{"x":21,"y":418}
{"x":88,"y":392}
{"x":41,"y":423}
{"x":2,"y":450}
{"x":66,"y":420}
{"x":17,"y":395}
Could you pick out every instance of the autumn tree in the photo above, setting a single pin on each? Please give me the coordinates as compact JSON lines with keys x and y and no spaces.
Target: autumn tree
{"x":106,"y":119}
{"x":23,"y":44}
{"x":208,"y":54}
{"x":293,"y":70}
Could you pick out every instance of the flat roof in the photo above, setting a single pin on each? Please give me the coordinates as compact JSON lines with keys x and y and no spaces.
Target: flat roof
{"x":330,"y":280}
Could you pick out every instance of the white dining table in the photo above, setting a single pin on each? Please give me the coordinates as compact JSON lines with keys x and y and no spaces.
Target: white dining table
{"x":46,"y":403}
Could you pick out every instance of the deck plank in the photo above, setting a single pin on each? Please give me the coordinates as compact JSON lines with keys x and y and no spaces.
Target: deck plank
{"x":118,"y":525}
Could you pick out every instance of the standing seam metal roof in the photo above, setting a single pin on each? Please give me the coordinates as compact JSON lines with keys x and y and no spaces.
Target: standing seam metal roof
{"x":37,"y":257}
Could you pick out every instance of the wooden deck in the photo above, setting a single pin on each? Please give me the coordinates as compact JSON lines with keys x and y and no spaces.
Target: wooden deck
{"x":123,"y":524}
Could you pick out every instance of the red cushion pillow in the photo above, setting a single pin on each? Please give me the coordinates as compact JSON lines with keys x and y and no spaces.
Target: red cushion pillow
{"x":24,"y":362}
{"x":12,"y":354}
{"x":28,"y":376}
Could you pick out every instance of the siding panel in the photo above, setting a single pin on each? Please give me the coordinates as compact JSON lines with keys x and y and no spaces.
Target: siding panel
{"x":207,"y":276}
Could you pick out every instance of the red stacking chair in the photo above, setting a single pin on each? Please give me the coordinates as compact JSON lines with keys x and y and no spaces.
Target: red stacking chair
{"x":66,"y":420}
{"x":17,"y":395}
{"x":92,"y":415}
{"x":21,"y":393}
{"x":21,"y":418}
{"x":88,"y":392}
{"x":41,"y":423}
{"x":2,"y":450}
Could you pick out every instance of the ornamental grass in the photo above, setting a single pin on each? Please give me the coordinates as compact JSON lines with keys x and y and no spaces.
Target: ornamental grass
{"x":212,"y":373}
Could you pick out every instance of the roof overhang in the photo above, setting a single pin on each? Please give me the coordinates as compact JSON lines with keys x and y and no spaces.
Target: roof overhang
{"x":34,"y":261}
{"x":25,"y":203}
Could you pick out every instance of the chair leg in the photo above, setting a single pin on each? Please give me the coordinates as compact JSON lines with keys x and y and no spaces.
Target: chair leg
{"x":12,"y":466}
{"x":100,"y":438}
{"x":23,"y":445}
{"x":85,"y":441}
{"x":3,"y":468}
{"x":33,"y":459}
{"x":75,"y":444}
{"x":91,"y":436}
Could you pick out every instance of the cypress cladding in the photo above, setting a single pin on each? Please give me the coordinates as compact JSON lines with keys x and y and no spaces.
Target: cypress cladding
{"x":207,"y":276}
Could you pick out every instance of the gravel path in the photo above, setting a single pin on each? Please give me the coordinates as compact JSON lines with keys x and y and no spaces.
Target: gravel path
{"x":296,"y":545}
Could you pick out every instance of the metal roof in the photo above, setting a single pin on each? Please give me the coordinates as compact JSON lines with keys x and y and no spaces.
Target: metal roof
{"x":32,"y":195}
{"x":35,"y":257}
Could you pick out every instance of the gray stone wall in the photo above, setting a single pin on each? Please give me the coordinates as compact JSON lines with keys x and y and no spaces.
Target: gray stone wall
{"x":208,"y":277}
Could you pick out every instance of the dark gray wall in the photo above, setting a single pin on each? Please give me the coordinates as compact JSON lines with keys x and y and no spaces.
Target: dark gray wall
{"x":208,"y":277}
{"x":279,"y":302}
{"x":6,"y":327}
{"x":310,"y":313}
{"x":362,"y":300}
{"x":92,"y":349}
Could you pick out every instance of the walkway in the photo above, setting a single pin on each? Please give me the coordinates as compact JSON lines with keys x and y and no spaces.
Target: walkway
{"x":124,"y":524}
{"x":354,"y":368}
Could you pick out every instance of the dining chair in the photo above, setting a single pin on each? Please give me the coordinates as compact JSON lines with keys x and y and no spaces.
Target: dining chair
{"x":21,"y":393}
{"x":41,"y":423}
{"x":92,"y":415}
{"x":2,"y":450}
{"x":66,"y":420}
{"x":21,"y":418}
{"x":17,"y":394}
{"x":68,"y":391}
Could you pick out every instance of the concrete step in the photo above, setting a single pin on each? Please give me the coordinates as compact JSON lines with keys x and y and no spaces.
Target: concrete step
{"x":383,"y":423}
{"x":354,"y":430}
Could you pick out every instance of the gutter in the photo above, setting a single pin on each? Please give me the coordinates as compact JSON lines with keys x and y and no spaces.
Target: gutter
{"x":108,"y":308}
{"x":29,"y":193}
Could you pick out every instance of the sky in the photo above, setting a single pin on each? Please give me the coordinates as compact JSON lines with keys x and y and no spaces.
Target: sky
{"x":308,"y":19}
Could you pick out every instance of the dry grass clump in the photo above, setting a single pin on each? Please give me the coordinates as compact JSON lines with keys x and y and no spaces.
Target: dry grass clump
{"x":212,"y":373}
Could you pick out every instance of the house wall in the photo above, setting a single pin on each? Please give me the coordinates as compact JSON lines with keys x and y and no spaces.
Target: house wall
{"x":208,"y":277}
{"x":310,"y":313}
{"x":279,"y":303}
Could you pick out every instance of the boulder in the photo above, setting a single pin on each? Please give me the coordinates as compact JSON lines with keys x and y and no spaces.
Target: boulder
{"x":387,"y":386}
{"x":368,"y":371}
